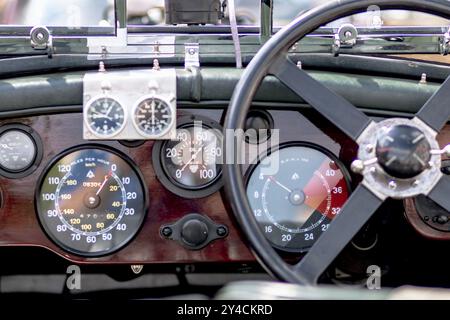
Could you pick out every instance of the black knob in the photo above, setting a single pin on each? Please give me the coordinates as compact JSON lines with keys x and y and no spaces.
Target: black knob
{"x":194,"y":233}
{"x":403,"y":151}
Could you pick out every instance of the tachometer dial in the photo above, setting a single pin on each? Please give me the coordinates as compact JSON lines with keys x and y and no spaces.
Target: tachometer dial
{"x":153,"y":117}
{"x":295,"y":193}
{"x":91,"y":201}
{"x":105,"y":117}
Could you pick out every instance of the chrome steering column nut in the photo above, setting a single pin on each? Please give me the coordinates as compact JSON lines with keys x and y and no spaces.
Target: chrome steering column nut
{"x":405,"y":162}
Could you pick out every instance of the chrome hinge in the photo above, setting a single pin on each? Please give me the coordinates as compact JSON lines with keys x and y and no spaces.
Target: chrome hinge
{"x":345,"y":37}
{"x":42,"y":39}
{"x":444,"y":43}
{"x":192,"y":55}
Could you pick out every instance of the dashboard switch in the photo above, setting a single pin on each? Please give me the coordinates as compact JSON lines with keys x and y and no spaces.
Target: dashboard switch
{"x":194,"y":231}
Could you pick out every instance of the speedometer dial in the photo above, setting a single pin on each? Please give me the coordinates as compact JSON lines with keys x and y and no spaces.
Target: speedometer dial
{"x":295,"y":193}
{"x":91,"y":201}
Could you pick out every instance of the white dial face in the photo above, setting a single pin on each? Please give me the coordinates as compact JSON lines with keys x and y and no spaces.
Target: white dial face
{"x":105,"y":117}
{"x":17,"y":151}
{"x":153,"y":117}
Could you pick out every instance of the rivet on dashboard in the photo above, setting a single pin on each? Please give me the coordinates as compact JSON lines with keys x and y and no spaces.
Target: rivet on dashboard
{"x":222,"y":231}
{"x":416,"y":183}
{"x":167,"y":232}
{"x":369,"y":148}
{"x":392,"y":185}
{"x":423,"y":79}
{"x":156,"y":65}
{"x":101,"y":67}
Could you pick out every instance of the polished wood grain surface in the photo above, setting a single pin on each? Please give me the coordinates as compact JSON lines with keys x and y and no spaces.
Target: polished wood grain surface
{"x":19,"y":224}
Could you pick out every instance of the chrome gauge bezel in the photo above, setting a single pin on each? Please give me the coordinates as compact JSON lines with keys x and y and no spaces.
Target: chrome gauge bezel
{"x":346,"y":175}
{"x":382,"y":184}
{"x":38,"y":154}
{"x":50,"y":233}
{"x":89,"y":106}
{"x":169,"y":107}
{"x":172,"y":185}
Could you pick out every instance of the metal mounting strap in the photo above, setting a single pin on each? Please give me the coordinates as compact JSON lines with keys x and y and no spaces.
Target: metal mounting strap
{"x":235,"y":33}
{"x":444,"y":43}
{"x":192,"y":55}
{"x":345,"y":37}
{"x":42,"y":39}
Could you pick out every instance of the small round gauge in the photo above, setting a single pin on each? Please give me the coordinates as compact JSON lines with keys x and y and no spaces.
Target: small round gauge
{"x":191,"y":164}
{"x":17,"y":151}
{"x":20,"y":150}
{"x":295,"y":193}
{"x":105,"y":117}
{"x":91,"y":201}
{"x":153,"y":117}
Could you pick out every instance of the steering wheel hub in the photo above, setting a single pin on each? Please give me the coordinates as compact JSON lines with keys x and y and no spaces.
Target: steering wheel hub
{"x":403,"y":152}
{"x":399,"y":158}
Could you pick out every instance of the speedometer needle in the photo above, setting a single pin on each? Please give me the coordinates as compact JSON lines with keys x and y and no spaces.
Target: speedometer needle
{"x":193,"y":158}
{"x":103,"y":184}
{"x":271,"y":178}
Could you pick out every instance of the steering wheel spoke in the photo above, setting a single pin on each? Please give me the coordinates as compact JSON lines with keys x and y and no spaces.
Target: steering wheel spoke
{"x":440,"y":193}
{"x":436,"y":112}
{"x":355,"y":214}
{"x":331,"y":105}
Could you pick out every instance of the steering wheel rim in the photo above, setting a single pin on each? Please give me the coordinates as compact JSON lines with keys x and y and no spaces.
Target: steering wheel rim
{"x":267,"y":61}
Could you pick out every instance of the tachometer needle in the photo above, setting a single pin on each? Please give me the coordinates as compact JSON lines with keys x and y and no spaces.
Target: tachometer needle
{"x":271,"y":178}
{"x":103,"y":184}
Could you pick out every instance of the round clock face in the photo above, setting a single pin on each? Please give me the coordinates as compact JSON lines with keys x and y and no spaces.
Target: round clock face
{"x":105,"y":117}
{"x":153,"y":117}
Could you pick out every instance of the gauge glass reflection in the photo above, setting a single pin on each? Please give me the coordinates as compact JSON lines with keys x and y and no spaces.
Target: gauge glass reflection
{"x":295,"y":193}
{"x":17,"y":151}
{"x":193,"y":161}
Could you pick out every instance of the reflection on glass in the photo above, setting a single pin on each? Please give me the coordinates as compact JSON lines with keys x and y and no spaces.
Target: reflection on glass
{"x":151,"y":12}
{"x":67,"y":13}
{"x":75,"y":13}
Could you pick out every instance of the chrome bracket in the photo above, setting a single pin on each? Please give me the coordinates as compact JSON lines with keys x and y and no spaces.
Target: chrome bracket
{"x":345,"y":37}
{"x":192,"y":55}
{"x":42,"y":39}
{"x":444,"y":43}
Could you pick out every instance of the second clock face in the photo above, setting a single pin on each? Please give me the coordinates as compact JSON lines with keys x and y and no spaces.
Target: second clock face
{"x":153,"y":117}
{"x":105,"y":117}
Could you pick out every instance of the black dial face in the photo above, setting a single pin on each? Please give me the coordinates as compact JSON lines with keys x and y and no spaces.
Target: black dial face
{"x":91,"y":202}
{"x":403,"y":151}
{"x":105,"y":117}
{"x":153,"y":117}
{"x":295,"y":193}
{"x":193,"y":161}
{"x":17,"y":151}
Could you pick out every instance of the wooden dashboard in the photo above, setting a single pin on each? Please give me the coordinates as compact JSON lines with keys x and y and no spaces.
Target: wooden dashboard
{"x":19,"y":224}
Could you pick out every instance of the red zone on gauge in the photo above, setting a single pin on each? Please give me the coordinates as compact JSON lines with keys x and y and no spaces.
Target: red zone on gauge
{"x":296,"y":202}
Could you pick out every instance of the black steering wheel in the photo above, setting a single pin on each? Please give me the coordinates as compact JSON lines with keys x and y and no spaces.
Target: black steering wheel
{"x":398,"y":158}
